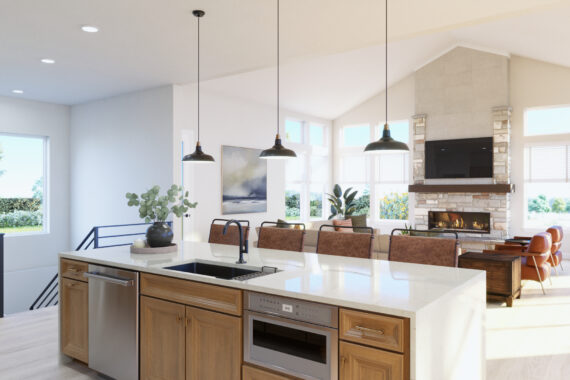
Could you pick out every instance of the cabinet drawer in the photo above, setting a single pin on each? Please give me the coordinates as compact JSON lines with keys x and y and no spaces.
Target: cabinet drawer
{"x":253,"y":373}
{"x":73,"y":269}
{"x":376,"y":330}
{"x":212,"y":297}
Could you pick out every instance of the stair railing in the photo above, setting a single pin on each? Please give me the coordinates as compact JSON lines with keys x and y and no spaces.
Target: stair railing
{"x":49,"y":295}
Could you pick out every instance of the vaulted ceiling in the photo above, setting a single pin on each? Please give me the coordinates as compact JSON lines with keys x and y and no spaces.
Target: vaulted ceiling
{"x":331,"y":50}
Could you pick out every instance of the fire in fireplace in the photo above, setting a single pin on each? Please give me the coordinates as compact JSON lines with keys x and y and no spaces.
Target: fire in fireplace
{"x":474,"y":222}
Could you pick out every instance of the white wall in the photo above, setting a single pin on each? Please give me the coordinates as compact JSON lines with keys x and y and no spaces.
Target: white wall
{"x":532,"y":84}
{"x":118,"y":145}
{"x":229,"y":121}
{"x":458,"y":90}
{"x":401,"y":106}
{"x":31,"y":260}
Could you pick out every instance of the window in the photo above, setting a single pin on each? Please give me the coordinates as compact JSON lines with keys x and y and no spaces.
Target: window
{"x":293,"y":131}
{"x":547,"y":121}
{"x":22,"y":183}
{"x":307,"y":176}
{"x":381,"y":179}
{"x":547,"y":185}
{"x":356,"y":135}
{"x":547,"y":166}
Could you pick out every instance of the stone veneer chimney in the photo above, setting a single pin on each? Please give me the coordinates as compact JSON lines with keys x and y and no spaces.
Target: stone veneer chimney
{"x":498,"y":205}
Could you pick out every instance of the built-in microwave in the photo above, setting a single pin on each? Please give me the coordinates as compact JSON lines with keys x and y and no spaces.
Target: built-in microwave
{"x":290,"y":336}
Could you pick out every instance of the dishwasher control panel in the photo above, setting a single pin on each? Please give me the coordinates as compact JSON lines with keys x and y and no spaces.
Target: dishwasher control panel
{"x":310,"y":312}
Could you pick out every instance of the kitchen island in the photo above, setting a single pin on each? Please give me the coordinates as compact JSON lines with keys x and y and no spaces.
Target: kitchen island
{"x":416,"y":321}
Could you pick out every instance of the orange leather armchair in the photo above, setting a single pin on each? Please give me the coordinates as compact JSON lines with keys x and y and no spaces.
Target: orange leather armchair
{"x":555,"y":251}
{"x":535,"y":258}
{"x":555,"y":259}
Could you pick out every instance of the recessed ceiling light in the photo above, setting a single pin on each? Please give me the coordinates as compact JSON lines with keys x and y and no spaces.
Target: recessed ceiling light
{"x":19,"y":92}
{"x":89,"y":29}
{"x":48,"y":61}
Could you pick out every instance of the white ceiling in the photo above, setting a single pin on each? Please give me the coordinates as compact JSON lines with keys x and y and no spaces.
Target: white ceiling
{"x":328,"y":86}
{"x":331,"y":49}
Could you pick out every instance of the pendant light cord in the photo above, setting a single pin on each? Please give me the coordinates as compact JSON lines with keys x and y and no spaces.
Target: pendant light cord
{"x":386,"y":56}
{"x":277,"y":67}
{"x":198,"y":80}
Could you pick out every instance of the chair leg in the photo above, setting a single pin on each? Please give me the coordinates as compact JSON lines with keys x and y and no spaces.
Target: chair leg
{"x":538,"y":274}
{"x":555,"y":271}
{"x":561,"y":268}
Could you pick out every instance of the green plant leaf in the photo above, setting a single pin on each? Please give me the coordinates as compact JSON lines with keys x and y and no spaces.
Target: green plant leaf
{"x":337,"y":191}
{"x":346,"y":192}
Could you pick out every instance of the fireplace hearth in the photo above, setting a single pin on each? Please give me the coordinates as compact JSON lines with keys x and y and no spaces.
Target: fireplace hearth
{"x":458,"y":221}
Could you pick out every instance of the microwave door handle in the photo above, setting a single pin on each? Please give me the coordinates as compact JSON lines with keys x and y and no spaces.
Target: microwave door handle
{"x":112,"y":280}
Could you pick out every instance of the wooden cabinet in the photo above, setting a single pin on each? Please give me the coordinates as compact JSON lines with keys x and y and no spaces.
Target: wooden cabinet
{"x":366,"y":363}
{"x":213,"y":345}
{"x":383,"y":346}
{"x":503,"y":274}
{"x":211,"y":297}
{"x":184,"y":342}
{"x":162,"y":340}
{"x":254,"y":373}
{"x":73,"y":269}
{"x":74,"y":319}
{"x":376,"y":330}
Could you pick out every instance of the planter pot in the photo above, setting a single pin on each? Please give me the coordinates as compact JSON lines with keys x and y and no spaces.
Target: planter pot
{"x":159,"y":235}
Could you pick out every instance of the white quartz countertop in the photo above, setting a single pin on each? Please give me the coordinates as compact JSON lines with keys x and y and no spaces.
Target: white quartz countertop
{"x":395,"y":288}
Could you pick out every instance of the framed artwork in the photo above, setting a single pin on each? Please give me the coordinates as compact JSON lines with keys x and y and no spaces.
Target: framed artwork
{"x":244,"y":181}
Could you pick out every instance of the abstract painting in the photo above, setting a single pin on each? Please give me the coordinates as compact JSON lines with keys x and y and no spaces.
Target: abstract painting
{"x":244,"y":181}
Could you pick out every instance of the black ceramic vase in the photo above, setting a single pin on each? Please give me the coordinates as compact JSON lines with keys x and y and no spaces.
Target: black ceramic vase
{"x":159,"y":235}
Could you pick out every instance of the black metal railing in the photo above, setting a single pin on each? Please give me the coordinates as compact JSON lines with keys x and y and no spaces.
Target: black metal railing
{"x":1,"y":275}
{"x":49,"y":295}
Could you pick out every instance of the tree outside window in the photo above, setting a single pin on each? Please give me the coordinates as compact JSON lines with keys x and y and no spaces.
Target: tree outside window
{"x":22,"y":183}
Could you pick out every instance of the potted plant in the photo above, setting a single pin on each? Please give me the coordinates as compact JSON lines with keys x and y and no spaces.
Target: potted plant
{"x":156,"y":208}
{"x":342,"y":204}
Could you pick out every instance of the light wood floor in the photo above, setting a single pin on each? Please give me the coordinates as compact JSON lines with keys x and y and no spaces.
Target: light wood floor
{"x":29,"y":348}
{"x":529,"y":341}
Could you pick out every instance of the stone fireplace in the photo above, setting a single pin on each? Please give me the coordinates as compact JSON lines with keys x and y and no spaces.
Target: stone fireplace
{"x":460,"y":221}
{"x":466,"y":203}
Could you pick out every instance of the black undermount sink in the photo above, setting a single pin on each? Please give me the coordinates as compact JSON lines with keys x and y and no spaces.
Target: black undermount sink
{"x":222,"y":271}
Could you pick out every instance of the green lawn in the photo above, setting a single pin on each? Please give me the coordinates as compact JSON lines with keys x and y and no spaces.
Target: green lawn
{"x":10,"y":230}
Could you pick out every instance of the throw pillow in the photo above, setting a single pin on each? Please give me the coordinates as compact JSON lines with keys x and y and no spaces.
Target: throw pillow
{"x":342,"y":222}
{"x":282,"y":224}
{"x":359,"y":221}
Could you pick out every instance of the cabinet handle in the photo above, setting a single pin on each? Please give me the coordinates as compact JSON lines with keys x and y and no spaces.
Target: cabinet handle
{"x":179,"y":318}
{"x":187,"y":321}
{"x":71,"y":284}
{"x":71,"y":269}
{"x":342,"y":361}
{"x":364,"y":330}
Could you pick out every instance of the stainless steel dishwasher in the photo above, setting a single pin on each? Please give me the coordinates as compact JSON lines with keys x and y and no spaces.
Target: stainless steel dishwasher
{"x":113,"y":321}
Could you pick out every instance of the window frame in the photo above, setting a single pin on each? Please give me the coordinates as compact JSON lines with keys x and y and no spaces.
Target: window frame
{"x":544,"y":135}
{"x":308,"y":150}
{"x":45,"y":188}
{"x":371,"y":180}
{"x":545,"y":140}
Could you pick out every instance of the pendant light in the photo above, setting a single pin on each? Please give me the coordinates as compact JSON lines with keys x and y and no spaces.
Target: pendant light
{"x":198,"y":156}
{"x":277,"y":151}
{"x":386,"y":142}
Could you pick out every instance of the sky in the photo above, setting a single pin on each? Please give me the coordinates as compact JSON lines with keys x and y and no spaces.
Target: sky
{"x":546,"y":121}
{"x":23,"y":164}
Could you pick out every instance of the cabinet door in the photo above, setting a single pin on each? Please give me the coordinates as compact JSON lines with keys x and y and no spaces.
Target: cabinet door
{"x":161,"y":340}
{"x":74,"y":319}
{"x":213,"y":345}
{"x":365,"y":363}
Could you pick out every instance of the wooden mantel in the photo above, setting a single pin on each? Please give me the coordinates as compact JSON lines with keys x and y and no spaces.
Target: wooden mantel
{"x":463,"y":188}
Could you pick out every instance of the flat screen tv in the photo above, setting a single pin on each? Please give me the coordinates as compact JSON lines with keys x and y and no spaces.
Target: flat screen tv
{"x":465,"y":158}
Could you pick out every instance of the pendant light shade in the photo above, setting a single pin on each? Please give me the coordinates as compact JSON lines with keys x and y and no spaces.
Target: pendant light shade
{"x":198,"y":156}
{"x":277,"y":151}
{"x":386,"y":142}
